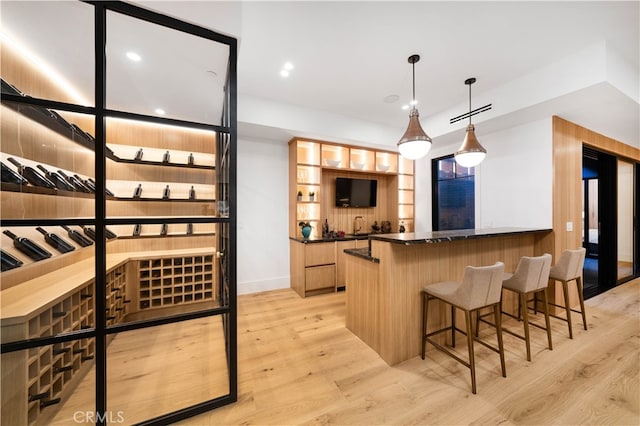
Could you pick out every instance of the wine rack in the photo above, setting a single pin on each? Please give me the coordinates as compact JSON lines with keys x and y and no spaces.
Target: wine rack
{"x":171,"y":281}
{"x":52,"y":369}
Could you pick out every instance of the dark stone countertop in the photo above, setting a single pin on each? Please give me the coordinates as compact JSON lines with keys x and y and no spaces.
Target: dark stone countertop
{"x":362,"y":253}
{"x":410,"y":238}
{"x":348,"y":237}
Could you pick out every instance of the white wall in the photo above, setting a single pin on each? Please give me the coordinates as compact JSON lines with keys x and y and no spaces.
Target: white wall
{"x":263,"y":232}
{"x":513,"y":183}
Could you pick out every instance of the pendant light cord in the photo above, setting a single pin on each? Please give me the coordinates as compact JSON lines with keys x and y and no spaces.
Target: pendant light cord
{"x":469,"y":103}
{"x":413,"y":66}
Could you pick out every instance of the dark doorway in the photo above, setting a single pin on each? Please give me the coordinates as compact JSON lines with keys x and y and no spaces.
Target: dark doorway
{"x":599,"y":227}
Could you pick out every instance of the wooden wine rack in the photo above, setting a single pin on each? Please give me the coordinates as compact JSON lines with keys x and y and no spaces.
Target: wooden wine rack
{"x":169,"y":281}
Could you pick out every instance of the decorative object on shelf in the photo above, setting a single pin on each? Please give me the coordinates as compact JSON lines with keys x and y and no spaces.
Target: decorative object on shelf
{"x":79,"y":186}
{"x":55,"y":241}
{"x":32,"y":175}
{"x":139,"y":154}
{"x":8,"y":175}
{"x":325,"y":228}
{"x":137,"y":193}
{"x":77,"y":237}
{"x":137,"y":229}
{"x":375,"y":228}
{"x":332,"y":163}
{"x":312,"y":196}
{"x":471,"y":153}
{"x":28,"y":247}
{"x":401,"y":228}
{"x":189,"y":228}
{"x":299,"y":196}
{"x":163,"y":229}
{"x":382,"y":167}
{"x":415,"y":143}
{"x":190,"y":159}
{"x":305,"y":228}
{"x":386,"y":227}
{"x":166,"y":157}
{"x":357,"y":165}
{"x":166,"y":193}
{"x":192,"y":193}
{"x":8,"y":261}
{"x":58,"y":180}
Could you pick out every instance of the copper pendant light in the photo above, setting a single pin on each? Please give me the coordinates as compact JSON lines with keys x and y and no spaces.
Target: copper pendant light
{"x":471,"y":153}
{"x":415,"y":143}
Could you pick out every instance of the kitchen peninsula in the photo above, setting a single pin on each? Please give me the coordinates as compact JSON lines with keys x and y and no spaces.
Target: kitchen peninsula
{"x":385,"y":279}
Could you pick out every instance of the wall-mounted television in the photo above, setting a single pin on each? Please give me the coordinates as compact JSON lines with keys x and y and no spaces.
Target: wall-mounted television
{"x":356,"y":192}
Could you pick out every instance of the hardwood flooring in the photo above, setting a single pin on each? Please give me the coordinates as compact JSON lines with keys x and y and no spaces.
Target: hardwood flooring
{"x":298,"y":364}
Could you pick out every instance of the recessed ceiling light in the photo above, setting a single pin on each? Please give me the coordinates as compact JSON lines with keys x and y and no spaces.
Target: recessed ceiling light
{"x":134,"y":56}
{"x":160,"y":111}
{"x":284,"y":73}
{"x":288,"y":66}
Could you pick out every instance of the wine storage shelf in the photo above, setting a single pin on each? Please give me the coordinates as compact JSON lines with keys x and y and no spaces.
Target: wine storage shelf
{"x":175,"y":280}
{"x":37,"y":380}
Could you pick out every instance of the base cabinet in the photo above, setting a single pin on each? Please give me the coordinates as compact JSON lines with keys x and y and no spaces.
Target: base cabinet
{"x":313,"y":267}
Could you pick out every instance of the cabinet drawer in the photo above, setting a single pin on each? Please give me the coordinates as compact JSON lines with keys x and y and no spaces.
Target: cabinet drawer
{"x":319,"y":254}
{"x":318,"y":277}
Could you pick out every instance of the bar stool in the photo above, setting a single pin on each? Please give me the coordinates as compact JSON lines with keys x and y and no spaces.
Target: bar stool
{"x":480,"y":288}
{"x":569,"y":268}
{"x":530,"y":277}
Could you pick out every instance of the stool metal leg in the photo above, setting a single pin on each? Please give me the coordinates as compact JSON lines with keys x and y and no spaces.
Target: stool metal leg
{"x":525,"y":319}
{"x":425,"y":311}
{"x":472,"y":361}
{"x":546,"y":317}
{"x":567,"y":307}
{"x":581,"y":297}
{"x":498,"y":319}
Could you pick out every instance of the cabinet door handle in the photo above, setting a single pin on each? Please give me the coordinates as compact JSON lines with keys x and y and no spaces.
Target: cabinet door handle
{"x":219,"y":254}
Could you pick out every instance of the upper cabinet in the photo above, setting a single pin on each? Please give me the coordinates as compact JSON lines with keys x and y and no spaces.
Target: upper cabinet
{"x":315,"y":165}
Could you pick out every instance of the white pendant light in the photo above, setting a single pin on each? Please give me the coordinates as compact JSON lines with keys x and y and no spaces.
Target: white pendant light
{"x":415,"y":143}
{"x":471,"y":153}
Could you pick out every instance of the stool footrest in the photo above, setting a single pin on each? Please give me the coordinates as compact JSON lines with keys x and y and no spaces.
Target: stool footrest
{"x":448,"y":352}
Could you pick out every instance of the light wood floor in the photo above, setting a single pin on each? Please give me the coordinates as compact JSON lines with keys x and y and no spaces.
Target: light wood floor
{"x":298,"y":364}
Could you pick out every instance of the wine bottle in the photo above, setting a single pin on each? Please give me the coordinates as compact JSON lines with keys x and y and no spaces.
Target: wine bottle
{"x":10,"y":176}
{"x":79,"y":186}
{"x":32,"y":175}
{"x":166,"y":193}
{"x":56,"y":242}
{"x":86,"y":183}
{"x":28,"y":247}
{"x":166,"y":157}
{"x":137,"y":230}
{"x":163,"y":229}
{"x":189,"y":228}
{"x":37,"y":396}
{"x":57,"y":370}
{"x":138,"y":156}
{"x":49,"y":402}
{"x":78,"y":237}
{"x":109,"y":234}
{"x":192,"y":193}
{"x":191,"y":159}
{"x":106,"y":190}
{"x":9,"y":261}
{"x":90,"y":232}
{"x":137,"y":193}
{"x":58,"y":180}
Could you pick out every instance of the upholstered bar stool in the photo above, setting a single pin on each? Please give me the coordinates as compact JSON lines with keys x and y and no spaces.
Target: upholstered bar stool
{"x":481,"y":287}
{"x":569,"y":268}
{"x":530,"y":277}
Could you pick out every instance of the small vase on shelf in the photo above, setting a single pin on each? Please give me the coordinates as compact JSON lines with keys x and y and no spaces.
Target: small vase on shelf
{"x":305,"y":228}
{"x":312,"y":196}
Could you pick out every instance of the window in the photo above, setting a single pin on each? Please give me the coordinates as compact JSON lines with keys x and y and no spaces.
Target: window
{"x":453,"y":195}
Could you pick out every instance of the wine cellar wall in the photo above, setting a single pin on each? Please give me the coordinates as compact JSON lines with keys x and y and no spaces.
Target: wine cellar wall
{"x":169,"y":232}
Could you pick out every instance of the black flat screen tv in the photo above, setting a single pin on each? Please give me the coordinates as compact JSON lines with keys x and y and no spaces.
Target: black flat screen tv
{"x":356,"y":192}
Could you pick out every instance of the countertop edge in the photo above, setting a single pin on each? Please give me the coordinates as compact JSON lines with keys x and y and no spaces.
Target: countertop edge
{"x":444,"y":236}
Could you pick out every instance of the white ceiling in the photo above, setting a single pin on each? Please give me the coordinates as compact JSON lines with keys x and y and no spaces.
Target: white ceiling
{"x":349,"y":56}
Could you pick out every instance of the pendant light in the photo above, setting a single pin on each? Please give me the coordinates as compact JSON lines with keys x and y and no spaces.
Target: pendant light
{"x":471,"y":153}
{"x":415,"y":143}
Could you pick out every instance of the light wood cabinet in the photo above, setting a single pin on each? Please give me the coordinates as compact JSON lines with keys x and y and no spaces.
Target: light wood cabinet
{"x":341,"y":261}
{"x":313,"y":167}
{"x":313,"y":267}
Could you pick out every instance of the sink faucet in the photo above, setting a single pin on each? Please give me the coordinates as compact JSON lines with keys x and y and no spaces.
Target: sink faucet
{"x":358,"y":223}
